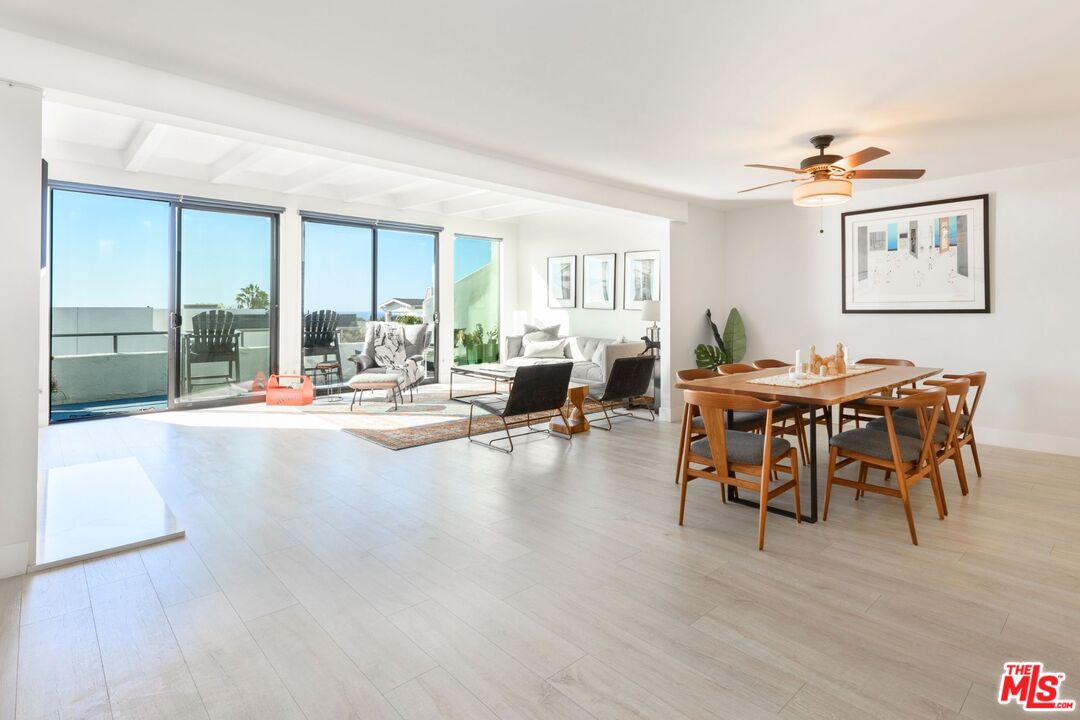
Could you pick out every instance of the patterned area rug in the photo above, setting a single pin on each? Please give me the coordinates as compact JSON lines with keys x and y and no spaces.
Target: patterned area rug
{"x":430,"y":418}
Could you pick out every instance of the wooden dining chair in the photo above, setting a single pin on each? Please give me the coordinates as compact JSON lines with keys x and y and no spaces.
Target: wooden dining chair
{"x":943,"y":438}
{"x":785,"y":414}
{"x":769,"y":363}
{"x":966,"y":426}
{"x":724,"y":454}
{"x":910,"y":458}
{"x":859,"y":410}
{"x":965,"y":429}
{"x":691,"y":417}
{"x":734,"y":368}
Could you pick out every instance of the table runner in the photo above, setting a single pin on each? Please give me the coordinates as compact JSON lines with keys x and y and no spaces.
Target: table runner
{"x":785,"y":380}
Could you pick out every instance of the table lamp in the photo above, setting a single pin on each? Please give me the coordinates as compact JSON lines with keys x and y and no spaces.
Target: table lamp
{"x":650,"y":312}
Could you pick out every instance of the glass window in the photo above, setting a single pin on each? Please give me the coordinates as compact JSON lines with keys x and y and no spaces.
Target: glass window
{"x":110,"y":304}
{"x":476,"y":300}
{"x":226,"y":271}
{"x":337,"y":287}
{"x":405,"y":286}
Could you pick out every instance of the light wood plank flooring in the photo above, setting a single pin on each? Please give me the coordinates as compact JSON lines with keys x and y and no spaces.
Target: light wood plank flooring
{"x":325,"y":577}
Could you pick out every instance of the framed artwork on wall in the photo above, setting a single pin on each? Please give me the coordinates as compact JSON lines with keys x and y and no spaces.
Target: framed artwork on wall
{"x":641,"y":278}
{"x":562,"y":281}
{"x":931,"y":257}
{"x":598,"y":282}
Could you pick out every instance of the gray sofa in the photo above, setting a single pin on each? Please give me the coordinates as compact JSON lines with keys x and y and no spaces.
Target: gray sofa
{"x":592,"y":357}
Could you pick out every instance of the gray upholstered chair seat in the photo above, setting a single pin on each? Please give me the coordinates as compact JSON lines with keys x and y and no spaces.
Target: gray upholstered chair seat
{"x":908,"y":426}
{"x":876,"y":444}
{"x":743,"y":448}
{"x":961,"y":424}
{"x":494,"y":404}
{"x":740,"y":421}
{"x":365,"y":380}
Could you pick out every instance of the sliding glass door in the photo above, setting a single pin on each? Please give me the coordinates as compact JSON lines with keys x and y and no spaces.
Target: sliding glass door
{"x":226,"y":303}
{"x":476,"y":299}
{"x":357,"y":271}
{"x":406,"y":265}
{"x":110,"y":304}
{"x":158,"y":301}
{"x":338,"y":293}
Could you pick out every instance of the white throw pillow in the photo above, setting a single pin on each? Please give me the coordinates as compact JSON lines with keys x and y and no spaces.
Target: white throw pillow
{"x":538,"y":335}
{"x":545,"y":348}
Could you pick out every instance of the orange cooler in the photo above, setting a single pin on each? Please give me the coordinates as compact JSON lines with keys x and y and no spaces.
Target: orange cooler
{"x":290,"y":390}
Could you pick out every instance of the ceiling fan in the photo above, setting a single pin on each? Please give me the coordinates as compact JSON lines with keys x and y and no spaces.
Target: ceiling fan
{"x":826,"y":179}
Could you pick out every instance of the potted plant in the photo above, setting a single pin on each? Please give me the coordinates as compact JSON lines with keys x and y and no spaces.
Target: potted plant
{"x":729,"y":348}
{"x":473,"y":340}
{"x":491,"y":345}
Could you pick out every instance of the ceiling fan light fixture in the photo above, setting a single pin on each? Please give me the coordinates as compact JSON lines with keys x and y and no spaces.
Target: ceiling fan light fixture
{"x":821,"y":193}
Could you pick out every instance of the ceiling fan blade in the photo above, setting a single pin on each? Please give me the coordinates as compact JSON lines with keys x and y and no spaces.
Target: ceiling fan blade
{"x":776,"y":167}
{"x":759,"y":187}
{"x":885,"y":174}
{"x":863,"y":156}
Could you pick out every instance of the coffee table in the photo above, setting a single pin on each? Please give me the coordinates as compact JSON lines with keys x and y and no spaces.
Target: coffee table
{"x":494,"y":372}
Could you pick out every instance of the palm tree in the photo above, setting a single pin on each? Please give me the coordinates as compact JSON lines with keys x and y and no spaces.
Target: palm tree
{"x":252,"y":297}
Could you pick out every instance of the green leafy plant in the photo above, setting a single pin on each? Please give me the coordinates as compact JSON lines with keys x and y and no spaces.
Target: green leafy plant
{"x":730,"y":346}
{"x":409,"y":320}
{"x":252,"y":297}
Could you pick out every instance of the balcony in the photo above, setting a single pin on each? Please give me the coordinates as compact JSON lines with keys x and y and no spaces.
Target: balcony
{"x":107,"y":361}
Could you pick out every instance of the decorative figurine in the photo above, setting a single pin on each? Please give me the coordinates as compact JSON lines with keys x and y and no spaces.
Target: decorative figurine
{"x":828,"y":366}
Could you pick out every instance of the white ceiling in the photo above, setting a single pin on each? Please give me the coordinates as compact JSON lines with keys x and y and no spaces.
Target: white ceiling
{"x":91,"y":136}
{"x":668,"y":96}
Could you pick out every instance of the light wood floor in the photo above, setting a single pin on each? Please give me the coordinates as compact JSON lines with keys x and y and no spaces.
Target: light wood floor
{"x":325,"y":577}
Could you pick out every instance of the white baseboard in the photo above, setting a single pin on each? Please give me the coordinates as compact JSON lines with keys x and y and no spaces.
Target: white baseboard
{"x":1038,"y":442}
{"x":14,"y":559}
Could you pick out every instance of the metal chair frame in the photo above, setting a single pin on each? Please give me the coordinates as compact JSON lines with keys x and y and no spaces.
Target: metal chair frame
{"x":510,"y":437}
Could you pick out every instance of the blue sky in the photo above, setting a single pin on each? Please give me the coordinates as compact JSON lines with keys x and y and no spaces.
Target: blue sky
{"x":114,"y":251}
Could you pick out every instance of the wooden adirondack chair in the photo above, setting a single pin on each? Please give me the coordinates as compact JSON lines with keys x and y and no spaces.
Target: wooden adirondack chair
{"x":321,"y":337}
{"x":213,"y":339}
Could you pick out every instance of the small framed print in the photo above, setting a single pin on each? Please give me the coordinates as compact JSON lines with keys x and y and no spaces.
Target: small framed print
{"x":641,"y":278}
{"x":562,"y":281}
{"x":598,"y":282}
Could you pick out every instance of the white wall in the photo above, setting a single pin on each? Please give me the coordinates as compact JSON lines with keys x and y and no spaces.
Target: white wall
{"x":580,"y":232}
{"x":20,"y":272}
{"x":696,"y":272}
{"x":785,"y":278}
{"x":290,"y":307}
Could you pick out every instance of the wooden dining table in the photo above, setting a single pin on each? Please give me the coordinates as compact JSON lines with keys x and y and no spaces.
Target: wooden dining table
{"x":822,"y":395}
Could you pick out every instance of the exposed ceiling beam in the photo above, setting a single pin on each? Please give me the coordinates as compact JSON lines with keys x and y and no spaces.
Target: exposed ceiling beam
{"x":64,"y":151}
{"x":476,"y":203}
{"x":236,"y":161}
{"x":442,"y":192}
{"x":316,"y":172}
{"x":143,"y":143}
{"x":387,"y":183}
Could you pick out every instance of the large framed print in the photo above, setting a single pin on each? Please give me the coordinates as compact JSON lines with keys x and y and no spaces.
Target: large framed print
{"x":641,"y":278}
{"x":598,"y":282}
{"x":562,"y":281}
{"x":931,"y":257}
